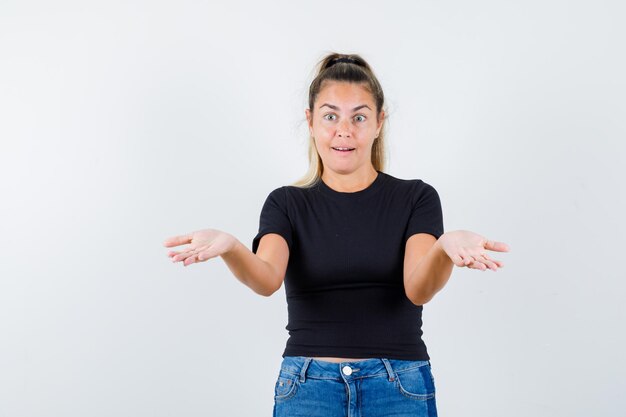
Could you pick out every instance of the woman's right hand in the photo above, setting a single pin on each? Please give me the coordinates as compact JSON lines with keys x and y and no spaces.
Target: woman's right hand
{"x":469,"y":249}
{"x":203,"y":245}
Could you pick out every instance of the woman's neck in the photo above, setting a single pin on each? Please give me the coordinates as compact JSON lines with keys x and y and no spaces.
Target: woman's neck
{"x":349,"y":183}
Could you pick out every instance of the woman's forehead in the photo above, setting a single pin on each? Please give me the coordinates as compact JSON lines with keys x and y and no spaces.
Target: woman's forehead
{"x":345,"y":92}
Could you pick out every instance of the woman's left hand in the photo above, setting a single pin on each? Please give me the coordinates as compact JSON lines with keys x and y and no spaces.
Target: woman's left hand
{"x":469,"y":249}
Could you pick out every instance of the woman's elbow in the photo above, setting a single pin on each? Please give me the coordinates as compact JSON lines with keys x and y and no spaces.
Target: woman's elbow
{"x":420,"y":299}
{"x":268,"y":291}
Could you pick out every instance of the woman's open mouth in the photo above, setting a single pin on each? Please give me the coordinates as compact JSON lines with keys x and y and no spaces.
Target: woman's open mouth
{"x":344,"y":150}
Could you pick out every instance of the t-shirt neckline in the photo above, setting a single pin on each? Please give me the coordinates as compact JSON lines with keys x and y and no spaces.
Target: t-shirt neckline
{"x":370,"y":189}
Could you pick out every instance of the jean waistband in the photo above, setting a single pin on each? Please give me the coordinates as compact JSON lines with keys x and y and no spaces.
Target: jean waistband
{"x":307,"y":367}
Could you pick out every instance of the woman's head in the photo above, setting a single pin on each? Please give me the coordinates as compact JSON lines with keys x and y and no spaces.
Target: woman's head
{"x":336,"y":117}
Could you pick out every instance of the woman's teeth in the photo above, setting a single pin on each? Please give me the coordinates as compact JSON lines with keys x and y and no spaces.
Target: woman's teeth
{"x":344,"y":149}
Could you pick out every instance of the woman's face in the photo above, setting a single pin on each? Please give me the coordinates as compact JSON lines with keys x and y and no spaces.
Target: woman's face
{"x":344,"y":116}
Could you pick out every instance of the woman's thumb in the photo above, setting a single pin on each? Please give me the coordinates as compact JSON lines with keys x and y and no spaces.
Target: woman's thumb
{"x":497,"y":246}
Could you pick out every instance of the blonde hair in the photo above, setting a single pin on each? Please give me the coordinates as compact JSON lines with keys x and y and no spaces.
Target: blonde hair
{"x":355,"y":71}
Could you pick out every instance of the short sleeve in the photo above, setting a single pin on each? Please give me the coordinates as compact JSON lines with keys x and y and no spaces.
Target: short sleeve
{"x":426,"y":215}
{"x":274,"y":218}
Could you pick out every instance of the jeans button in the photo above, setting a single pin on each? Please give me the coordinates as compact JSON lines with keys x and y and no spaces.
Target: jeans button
{"x":346,"y":370}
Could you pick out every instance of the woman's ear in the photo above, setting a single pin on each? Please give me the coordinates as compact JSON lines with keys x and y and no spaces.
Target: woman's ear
{"x":307,"y":112}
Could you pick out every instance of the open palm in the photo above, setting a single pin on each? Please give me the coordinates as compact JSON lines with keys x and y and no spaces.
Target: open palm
{"x":469,"y":249}
{"x":203,"y":245}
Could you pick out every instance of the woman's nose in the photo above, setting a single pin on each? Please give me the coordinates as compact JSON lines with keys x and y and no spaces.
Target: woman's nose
{"x":343,"y":128}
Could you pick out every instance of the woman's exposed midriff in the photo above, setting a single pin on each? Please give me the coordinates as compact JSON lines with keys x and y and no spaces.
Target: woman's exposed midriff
{"x":337,"y":360}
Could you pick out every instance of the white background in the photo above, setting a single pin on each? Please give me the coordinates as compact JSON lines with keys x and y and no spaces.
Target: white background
{"x":123,"y":123}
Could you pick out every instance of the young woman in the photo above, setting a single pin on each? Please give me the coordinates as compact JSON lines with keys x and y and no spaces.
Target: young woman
{"x":360,"y":253}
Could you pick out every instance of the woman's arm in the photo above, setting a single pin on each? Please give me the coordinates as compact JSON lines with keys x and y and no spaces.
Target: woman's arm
{"x":428,"y":262}
{"x":427,"y":268}
{"x":263,"y":272}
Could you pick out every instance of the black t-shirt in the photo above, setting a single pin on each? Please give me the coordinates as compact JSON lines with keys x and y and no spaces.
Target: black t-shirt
{"x":344,"y":280}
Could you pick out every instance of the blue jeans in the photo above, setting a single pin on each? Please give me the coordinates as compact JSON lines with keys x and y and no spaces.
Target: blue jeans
{"x":370,"y":387}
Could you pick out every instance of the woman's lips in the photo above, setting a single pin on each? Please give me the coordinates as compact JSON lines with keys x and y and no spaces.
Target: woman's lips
{"x":343,"y":151}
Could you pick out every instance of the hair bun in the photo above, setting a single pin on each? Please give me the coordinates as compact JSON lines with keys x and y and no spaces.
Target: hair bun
{"x":347,"y":60}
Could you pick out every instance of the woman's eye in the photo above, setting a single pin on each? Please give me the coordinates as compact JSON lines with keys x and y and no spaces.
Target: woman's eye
{"x":331,"y":116}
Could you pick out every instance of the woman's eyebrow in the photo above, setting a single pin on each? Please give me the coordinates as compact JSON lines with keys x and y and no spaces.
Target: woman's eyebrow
{"x":337,"y":108}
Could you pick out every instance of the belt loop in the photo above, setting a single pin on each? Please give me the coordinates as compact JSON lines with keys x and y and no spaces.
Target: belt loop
{"x":389,"y":369}
{"x":307,"y":361}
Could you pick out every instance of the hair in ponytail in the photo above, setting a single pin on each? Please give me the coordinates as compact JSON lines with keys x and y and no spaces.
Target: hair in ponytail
{"x":348,"y":68}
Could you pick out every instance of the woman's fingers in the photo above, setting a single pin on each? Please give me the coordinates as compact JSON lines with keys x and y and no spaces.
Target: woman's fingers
{"x":203,"y":244}
{"x":480,"y":261}
{"x":475,"y":263}
{"x":177,"y":240}
{"x":478,"y":265}
{"x":193,"y":255}
{"x":489,"y":263}
{"x":468,"y":249}
{"x":466,"y":259}
{"x":458,"y":260}
{"x":191,"y":259}
{"x":200,"y":256}
{"x":182,"y":256}
{"x":499,"y":264}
